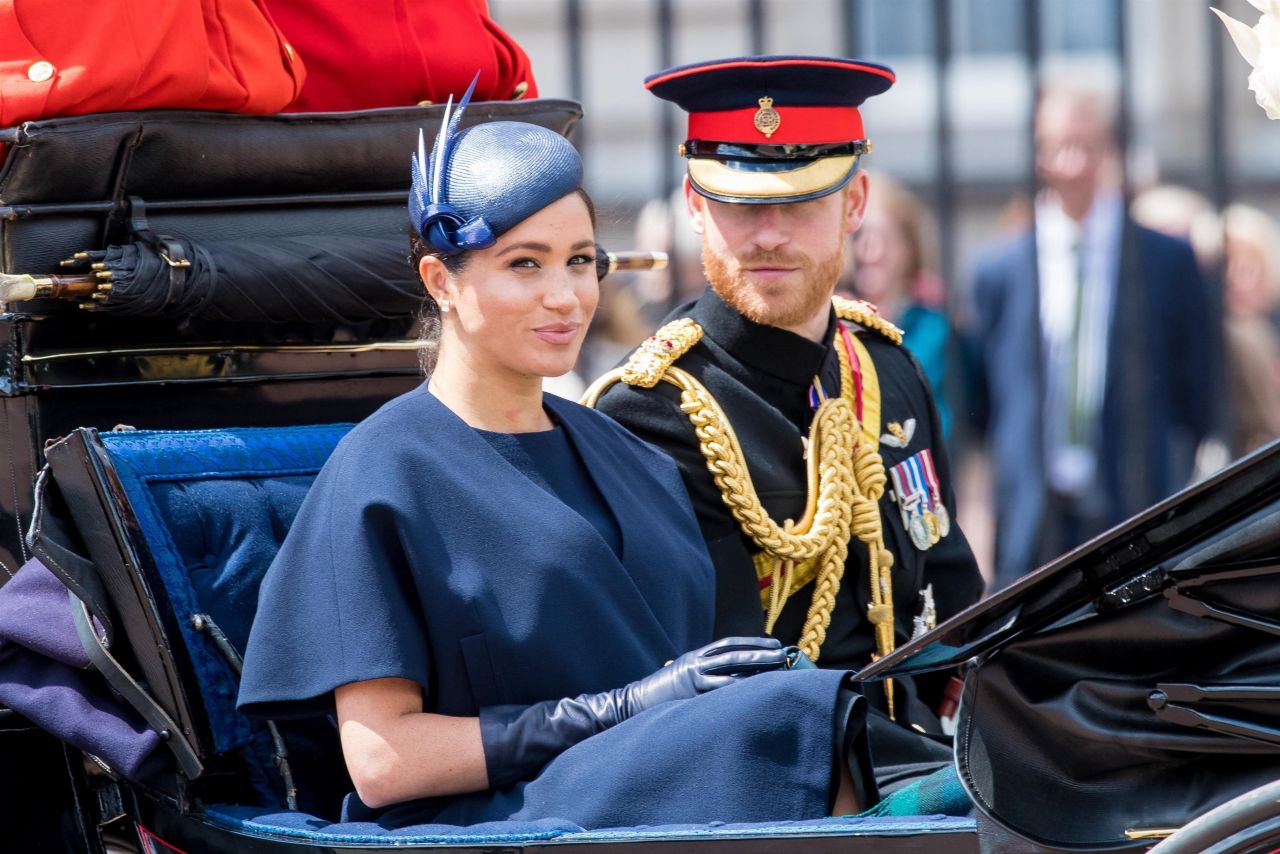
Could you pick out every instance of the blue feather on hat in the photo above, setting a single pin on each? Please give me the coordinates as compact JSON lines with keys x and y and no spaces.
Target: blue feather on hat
{"x":480,"y":182}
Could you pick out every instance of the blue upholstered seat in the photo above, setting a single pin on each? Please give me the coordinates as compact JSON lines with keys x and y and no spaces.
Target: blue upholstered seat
{"x":213,"y":507}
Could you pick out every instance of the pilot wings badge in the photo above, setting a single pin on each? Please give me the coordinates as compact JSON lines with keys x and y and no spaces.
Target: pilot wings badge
{"x":919,"y":497}
{"x":898,"y":435}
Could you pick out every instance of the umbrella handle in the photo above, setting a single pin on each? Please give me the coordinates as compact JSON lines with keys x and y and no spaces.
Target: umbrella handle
{"x":15,"y":287}
{"x":610,"y":262}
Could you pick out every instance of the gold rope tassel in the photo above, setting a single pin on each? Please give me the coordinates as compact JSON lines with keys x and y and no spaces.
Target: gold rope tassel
{"x":778,"y":582}
{"x":866,"y":487}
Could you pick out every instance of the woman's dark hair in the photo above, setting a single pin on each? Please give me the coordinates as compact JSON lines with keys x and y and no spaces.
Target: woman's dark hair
{"x":429,"y":316}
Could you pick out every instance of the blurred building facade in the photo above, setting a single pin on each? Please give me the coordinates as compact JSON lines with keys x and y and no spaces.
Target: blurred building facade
{"x":957,"y":126}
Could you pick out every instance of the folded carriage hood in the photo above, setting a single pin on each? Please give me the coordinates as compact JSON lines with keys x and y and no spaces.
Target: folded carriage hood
{"x":1135,"y":560}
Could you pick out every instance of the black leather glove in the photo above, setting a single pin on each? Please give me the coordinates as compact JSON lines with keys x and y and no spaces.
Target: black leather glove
{"x":519,"y":740}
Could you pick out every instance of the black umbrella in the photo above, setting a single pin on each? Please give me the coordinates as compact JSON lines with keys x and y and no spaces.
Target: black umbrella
{"x":310,"y":278}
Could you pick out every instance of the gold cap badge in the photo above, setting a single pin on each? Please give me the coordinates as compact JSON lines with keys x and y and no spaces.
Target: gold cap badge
{"x":767,"y":118}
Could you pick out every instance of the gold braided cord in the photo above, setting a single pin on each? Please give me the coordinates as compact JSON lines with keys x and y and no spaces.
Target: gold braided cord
{"x":832,"y":432}
{"x":866,"y":488}
{"x":779,"y":581}
{"x":851,"y":481}
{"x":592,"y":395}
{"x":869,"y":474}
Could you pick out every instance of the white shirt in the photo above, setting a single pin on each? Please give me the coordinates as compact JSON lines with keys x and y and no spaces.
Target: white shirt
{"x":1077,"y":262}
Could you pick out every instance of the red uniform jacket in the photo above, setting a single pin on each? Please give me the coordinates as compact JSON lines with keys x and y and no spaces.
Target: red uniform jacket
{"x":390,"y":53}
{"x":68,"y":57}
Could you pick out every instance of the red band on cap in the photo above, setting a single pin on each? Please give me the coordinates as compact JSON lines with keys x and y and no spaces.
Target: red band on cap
{"x":796,"y":126}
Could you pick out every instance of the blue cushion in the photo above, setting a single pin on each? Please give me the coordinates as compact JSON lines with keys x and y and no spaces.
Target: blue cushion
{"x":295,"y":825}
{"x":213,"y":507}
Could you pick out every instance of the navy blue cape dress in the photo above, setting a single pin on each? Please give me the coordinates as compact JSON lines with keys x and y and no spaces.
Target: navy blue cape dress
{"x":422,"y":553}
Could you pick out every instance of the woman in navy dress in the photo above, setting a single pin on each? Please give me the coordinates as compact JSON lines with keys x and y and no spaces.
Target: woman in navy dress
{"x":484,"y":582}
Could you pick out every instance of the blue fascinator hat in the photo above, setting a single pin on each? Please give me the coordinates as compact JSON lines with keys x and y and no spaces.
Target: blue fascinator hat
{"x":483,"y":181}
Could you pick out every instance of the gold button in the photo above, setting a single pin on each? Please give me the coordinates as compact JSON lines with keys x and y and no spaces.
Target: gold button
{"x":288,"y":48}
{"x":425,"y":103}
{"x":40,"y":71}
{"x":521,"y":88}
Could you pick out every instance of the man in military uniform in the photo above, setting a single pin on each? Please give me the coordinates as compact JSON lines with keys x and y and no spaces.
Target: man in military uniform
{"x":806,"y":435}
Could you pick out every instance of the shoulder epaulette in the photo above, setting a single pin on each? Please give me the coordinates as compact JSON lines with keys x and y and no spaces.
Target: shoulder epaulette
{"x":865,"y":314}
{"x":659,"y":351}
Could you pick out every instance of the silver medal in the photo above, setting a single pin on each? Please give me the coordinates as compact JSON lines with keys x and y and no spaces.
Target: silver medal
{"x":919,"y":531}
{"x":944,"y":520}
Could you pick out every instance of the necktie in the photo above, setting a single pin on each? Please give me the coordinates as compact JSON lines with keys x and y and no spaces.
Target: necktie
{"x":1077,"y":360}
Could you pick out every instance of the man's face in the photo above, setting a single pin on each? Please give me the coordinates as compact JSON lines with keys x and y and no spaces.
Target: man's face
{"x":1072,"y":146}
{"x":777,"y":264}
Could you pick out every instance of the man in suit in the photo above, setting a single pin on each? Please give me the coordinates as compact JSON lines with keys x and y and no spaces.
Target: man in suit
{"x":806,"y":435}
{"x":1097,"y":343}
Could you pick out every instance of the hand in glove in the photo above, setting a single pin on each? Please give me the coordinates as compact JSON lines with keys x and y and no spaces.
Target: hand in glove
{"x":519,"y":740}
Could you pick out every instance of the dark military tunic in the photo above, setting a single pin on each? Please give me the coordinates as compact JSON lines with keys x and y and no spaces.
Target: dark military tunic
{"x":761,"y":376}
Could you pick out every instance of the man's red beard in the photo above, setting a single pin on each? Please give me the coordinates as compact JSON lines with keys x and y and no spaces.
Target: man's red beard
{"x":774,"y":304}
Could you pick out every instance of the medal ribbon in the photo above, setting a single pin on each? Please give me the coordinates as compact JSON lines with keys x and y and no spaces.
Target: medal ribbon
{"x":909,"y":481}
{"x":931,"y":475}
{"x":916,"y":475}
{"x":817,"y":394}
{"x":920,"y":481}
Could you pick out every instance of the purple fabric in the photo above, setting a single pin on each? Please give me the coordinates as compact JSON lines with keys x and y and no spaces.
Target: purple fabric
{"x":44,"y":677}
{"x":35,"y":613}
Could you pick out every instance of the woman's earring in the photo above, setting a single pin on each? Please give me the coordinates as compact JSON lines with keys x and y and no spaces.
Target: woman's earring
{"x":444,"y":306}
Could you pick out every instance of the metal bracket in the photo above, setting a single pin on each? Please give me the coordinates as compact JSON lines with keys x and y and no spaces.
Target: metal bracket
{"x":1134,"y":589}
{"x":204,"y":624}
{"x":1180,"y":599}
{"x":1174,"y":702}
{"x":170,"y":260}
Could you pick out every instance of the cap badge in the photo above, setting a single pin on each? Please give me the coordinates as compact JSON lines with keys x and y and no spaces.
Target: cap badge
{"x":767,"y":118}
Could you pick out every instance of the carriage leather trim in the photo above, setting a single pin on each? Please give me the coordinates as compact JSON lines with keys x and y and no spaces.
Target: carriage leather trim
{"x":47,"y":538}
{"x":132,"y":692}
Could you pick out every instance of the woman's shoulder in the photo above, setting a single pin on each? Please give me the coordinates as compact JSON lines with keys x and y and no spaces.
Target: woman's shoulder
{"x":602,"y":427}
{"x":398,"y":427}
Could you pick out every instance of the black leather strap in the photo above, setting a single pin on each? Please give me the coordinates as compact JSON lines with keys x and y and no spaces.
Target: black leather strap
{"x":132,"y":693}
{"x":49,"y":539}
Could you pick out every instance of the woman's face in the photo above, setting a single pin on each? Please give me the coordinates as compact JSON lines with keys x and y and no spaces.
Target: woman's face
{"x":881,"y":257}
{"x":1248,"y":289}
{"x":522,"y":306}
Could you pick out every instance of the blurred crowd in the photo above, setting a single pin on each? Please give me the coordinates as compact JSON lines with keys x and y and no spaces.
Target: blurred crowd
{"x":1108,"y":346}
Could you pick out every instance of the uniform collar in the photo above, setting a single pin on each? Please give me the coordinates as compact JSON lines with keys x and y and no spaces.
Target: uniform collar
{"x":776,"y":352}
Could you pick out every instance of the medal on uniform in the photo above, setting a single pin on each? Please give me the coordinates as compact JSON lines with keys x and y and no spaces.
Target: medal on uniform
{"x":919,"y":498}
{"x":918,"y":528}
{"x":944,"y":519}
